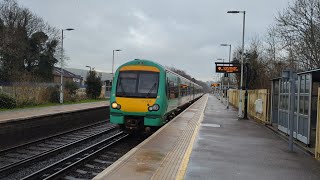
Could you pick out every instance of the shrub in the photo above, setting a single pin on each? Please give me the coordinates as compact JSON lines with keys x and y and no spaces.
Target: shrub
{"x":28,"y":102}
{"x":7,"y":102}
{"x":71,"y":87}
{"x":55,"y":94}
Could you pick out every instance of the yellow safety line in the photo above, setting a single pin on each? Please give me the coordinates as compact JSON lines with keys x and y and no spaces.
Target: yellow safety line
{"x":186,"y":157}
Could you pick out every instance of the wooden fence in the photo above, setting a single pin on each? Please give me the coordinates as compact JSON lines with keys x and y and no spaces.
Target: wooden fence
{"x":261,"y":95}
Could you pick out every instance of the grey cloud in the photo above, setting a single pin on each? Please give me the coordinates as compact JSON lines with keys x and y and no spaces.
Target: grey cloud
{"x":179,"y":33}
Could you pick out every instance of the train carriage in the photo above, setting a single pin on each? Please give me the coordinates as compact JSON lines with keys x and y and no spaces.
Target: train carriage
{"x":144,"y":94}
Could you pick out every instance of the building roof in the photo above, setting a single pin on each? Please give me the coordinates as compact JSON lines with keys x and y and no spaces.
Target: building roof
{"x":314,"y":71}
{"x":310,"y":71}
{"x":83,"y":73}
{"x":66,"y":73}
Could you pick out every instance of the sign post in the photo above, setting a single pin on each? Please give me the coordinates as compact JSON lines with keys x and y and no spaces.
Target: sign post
{"x":226,"y":70}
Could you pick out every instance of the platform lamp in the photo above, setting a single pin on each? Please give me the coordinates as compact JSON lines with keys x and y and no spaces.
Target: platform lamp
{"x":228,"y":74}
{"x":89,"y":68}
{"x":61,"y":62}
{"x":113,"y":60}
{"x":240,"y":115}
{"x":221,"y":79}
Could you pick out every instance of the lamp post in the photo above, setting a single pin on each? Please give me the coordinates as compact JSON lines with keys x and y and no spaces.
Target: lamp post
{"x":228,"y":73}
{"x":240,"y":115}
{"x":61,"y":63}
{"x":113,"y":60}
{"x":89,"y":67}
{"x":222,"y":78}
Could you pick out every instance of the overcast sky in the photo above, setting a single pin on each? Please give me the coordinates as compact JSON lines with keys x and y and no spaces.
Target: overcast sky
{"x":185,"y":34}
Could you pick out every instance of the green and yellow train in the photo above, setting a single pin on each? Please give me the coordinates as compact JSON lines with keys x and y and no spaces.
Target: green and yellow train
{"x":145,"y":95}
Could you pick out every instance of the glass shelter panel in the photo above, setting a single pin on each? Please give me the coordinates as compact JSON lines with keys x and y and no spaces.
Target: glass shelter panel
{"x":302,"y":104}
{"x":283,"y":108}
{"x":275,"y":100}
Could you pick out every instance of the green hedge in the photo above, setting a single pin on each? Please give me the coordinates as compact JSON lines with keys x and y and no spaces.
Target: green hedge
{"x":7,"y":102}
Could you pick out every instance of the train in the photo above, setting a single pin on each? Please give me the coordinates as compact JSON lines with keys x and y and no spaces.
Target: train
{"x":145,"y":95}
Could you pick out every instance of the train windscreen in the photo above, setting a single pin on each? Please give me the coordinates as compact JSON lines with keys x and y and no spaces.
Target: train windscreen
{"x":140,"y":84}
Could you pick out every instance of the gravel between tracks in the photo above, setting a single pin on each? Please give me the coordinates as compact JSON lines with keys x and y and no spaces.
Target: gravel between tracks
{"x":41,"y":164}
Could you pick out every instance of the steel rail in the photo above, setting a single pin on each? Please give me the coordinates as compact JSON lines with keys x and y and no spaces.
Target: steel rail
{"x":49,"y":137}
{"x":75,"y":159}
{"x":24,"y":162}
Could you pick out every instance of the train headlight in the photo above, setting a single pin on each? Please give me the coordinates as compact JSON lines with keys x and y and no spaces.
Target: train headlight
{"x":154,"y":107}
{"x":115,"y":105}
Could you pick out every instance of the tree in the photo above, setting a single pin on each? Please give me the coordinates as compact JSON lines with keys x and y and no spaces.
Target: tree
{"x":299,"y":28}
{"x":255,"y":71}
{"x":28,"y":44}
{"x":94,"y":85}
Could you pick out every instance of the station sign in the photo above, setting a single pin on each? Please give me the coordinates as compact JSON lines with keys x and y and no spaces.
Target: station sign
{"x":215,"y":85}
{"x":183,"y":86}
{"x":227,"y":69}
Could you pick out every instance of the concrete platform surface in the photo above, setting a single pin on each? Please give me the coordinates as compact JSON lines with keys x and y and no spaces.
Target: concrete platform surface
{"x":162,"y":155}
{"x":23,"y":114}
{"x":228,"y":148}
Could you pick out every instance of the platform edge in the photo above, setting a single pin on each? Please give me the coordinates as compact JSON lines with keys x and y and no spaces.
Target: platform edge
{"x":125,"y":157}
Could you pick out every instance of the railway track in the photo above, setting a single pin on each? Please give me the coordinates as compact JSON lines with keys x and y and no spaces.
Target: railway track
{"x":58,"y":169}
{"x":91,"y":167}
{"x":13,"y":159}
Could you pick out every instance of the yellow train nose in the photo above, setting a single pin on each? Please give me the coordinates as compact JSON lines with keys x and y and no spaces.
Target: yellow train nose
{"x":135,"y":104}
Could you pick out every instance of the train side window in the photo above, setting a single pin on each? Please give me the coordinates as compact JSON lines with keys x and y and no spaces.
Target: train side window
{"x":168,"y":88}
{"x":171,"y":90}
{"x":176,"y":90}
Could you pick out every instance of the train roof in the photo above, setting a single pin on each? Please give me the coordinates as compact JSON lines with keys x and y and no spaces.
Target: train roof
{"x":152,"y":63}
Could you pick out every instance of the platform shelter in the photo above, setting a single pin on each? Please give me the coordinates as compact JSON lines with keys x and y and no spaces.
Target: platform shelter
{"x":305,"y":115}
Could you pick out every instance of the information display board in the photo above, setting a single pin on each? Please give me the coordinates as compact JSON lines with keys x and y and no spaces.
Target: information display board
{"x":227,"y":69}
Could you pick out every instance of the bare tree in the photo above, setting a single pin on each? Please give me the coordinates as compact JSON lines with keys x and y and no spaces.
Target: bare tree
{"x":299,"y":28}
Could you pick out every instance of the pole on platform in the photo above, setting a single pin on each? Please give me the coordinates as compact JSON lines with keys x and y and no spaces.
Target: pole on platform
{"x":240,"y":114}
{"x":291,"y":117}
{"x":245,"y":114}
{"x":61,"y":65}
{"x":289,"y":75}
{"x":228,"y":73}
{"x":228,"y":78}
{"x":221,"y":87}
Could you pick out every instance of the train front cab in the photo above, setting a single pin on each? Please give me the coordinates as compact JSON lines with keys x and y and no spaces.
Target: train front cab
{"x":136,"y":97}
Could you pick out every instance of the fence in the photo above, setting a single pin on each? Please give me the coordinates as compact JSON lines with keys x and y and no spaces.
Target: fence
{"x":262,"y":95}
{"x":26,"y":94}
{"x":38,"y":93}
{"x":234,"y":98}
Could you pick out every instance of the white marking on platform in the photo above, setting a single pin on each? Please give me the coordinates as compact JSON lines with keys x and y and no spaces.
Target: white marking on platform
{"x":211,"y":125}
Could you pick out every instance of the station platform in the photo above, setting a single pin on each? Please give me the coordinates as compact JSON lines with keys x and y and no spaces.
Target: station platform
{"x":22,"y":126}
{"x":29,"y":113}
{"x":207,"y":141}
